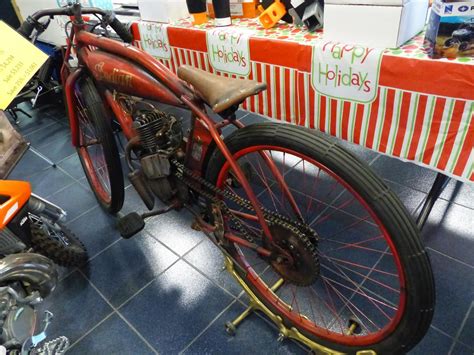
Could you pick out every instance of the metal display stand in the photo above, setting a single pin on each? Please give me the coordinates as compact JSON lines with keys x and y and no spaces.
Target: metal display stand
{"x":436,"y":189}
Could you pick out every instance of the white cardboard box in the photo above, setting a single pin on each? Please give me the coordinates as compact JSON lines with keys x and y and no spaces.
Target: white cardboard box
{"x":374,"y":23}
{"x":162,"y":10}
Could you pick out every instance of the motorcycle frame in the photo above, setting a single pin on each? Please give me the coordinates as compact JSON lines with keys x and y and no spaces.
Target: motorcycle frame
{"x":125,"y":59}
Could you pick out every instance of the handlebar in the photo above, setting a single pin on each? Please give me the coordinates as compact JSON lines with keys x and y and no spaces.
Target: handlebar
{"x":120,"y":29}
{"x":32,"y":22}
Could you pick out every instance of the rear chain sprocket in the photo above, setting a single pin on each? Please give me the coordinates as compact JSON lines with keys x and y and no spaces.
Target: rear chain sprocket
{"x":303,"y":232}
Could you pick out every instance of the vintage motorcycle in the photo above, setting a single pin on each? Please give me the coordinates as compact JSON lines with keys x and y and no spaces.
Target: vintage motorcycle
{"x":320,"y":243}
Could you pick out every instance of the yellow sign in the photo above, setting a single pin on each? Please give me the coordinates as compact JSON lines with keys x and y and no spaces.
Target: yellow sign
{"x":19,"y":61}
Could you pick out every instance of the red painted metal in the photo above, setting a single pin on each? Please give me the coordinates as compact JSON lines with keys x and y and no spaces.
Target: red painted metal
{"x":125,"y":77}
{"x":69,"y":84}
{"x":248,"y":216}
{"x":135,"y":55}
{"x":245,"y":243}
{"x":123,"y":117}
{"x":198,"y":146}
{"x":200,"y":115}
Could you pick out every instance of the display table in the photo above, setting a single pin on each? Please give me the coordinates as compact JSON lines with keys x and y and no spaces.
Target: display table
{"x":413,"y":108}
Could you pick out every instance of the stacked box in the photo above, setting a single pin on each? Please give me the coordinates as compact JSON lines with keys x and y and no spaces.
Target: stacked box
{"x":374,"y":23}
{"x":450,"y":31}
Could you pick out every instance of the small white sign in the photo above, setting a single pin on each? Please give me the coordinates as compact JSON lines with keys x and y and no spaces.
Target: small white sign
{"x":154,"y":39}
{"x":228,"y":51}
{"x":346,"y":71}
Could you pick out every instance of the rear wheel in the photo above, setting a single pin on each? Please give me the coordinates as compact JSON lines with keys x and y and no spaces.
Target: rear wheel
{"x":97,"y":147}
{"x":354,"y":273}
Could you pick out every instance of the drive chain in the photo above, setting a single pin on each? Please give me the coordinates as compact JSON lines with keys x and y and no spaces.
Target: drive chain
{"x":212,"y":192}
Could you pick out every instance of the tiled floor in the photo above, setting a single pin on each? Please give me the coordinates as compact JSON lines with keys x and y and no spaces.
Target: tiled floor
{"x":164,"y":291}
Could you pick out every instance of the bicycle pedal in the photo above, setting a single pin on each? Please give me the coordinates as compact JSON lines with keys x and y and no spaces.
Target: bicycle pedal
{"x":130,"y":225}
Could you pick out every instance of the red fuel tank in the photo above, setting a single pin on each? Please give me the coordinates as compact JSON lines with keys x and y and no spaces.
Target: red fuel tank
{"x":125,"y":77}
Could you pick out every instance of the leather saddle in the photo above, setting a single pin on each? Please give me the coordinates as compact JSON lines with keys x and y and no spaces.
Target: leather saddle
{"x":219,"y":92}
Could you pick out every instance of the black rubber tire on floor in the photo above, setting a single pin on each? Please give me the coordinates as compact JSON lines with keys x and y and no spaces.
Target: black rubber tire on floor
{"x":101,"y":118}
{"x":391,"y":212}
{"x":73,"y":255}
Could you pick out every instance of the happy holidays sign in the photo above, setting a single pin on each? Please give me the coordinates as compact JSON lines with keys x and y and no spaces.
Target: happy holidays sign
{"x":345,"y":71}
{"x":228,"y":51}
{"x":154,"y":39}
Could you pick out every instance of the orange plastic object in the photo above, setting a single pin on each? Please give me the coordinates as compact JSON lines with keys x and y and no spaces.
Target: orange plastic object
{"x":17,"y":194}
{"x":269,"y":17}
{"x":200,"y":18}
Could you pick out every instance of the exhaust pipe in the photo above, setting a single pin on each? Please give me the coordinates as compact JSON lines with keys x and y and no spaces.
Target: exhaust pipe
{"x":39,"y":205}
{"x":37,"y":270}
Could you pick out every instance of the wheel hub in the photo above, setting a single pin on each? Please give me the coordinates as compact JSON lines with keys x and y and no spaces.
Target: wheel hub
{"x":294,"y":256}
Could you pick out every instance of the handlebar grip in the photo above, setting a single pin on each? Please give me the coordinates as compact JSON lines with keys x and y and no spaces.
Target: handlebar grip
{"x":27,"y":27}
{"x":121,"y":30}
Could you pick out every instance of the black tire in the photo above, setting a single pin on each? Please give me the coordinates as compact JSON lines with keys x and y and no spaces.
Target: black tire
{"x":420,"y":291}
{"x":72,"y":255}
{"x":450,"y":42}
{"x":110,"y":192}
{"x":464,"y":46}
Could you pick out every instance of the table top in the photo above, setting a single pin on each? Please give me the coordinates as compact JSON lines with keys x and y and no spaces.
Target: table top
{"x":289,"y":32}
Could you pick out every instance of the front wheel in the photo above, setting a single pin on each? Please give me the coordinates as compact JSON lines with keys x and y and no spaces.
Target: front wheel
{"x":97,"y":147}
{"x":352,"y":270}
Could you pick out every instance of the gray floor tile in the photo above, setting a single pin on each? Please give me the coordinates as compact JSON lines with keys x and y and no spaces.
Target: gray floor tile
{"x":113,"y":336}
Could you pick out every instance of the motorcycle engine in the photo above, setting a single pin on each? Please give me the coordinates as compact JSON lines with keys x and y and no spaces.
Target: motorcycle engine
{"x":160,"y":136}
{"x":17,"y":321}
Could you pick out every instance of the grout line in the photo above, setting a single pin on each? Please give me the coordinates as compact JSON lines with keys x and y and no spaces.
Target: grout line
{"x":211,"y":280}
{"x":377,"y":157}
{"x":91,"y":330}
{"x":137,"y":332}
{"x":147,"y":284}
{"x":450,"y":257}
{"x":461,"y":328}
{"x":67,"y":173}
{"x":159,"y":274}
{"x":103,"y":250}
{"x":82,"y":214}
{"x":441,"y":331}
{"x":119,"y":314}
{"x":208,"y":326}
{"x":61,"y":189}
{"x":67,"y":274}
{"x":36,"y":129}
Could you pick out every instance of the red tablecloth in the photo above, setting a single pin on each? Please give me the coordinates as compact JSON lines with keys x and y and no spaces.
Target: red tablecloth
{"x":422,"y":112}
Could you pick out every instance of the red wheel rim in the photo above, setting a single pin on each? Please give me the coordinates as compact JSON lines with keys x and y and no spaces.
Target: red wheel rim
{"x":305,"y":324}
{"x":95,"y":168}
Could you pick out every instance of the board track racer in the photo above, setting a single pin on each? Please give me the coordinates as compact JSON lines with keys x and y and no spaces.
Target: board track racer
{"x":463,"y":37}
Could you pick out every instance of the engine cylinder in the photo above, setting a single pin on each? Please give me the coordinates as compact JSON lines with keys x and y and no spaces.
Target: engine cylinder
{"x":148,"y":124}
